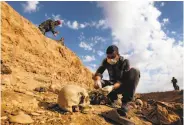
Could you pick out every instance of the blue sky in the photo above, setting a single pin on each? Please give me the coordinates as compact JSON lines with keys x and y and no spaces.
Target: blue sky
{"x":148,"y":33}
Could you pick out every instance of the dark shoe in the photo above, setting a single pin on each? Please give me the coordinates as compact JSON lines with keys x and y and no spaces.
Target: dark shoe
{"x":121,"y":112}
{"x":124,"y":109}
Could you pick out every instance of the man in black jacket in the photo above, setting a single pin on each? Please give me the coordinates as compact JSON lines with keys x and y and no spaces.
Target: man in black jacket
{"x":174,"y":81}
{"x":49,"y":25}
{"x":123,"y":79}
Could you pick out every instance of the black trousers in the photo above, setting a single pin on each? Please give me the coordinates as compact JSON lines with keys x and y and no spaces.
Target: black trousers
{"x":129,"y":81}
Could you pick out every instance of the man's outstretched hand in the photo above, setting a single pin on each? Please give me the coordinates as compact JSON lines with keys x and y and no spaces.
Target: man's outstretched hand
{"x":98,"y":84}
{"x":106,"y":90}
{"x":56,"y":33}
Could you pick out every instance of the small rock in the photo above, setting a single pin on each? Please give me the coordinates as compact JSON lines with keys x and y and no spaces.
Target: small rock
{"x":133,"y":104}
{"x":148,"y":106}
{"x":49,"y":113}
{"x":15,"y":102}
{"x":35,"y":114}
{"x":34,"y":71}
{"x":21,"y":118}
{"x":4,"y":117}
{"x":55,"y":88}
{"x":144,"y":104}
{"x":40,"y":111}
{"x":139,"y":102}
{"x":29,"y":93}
{"x":20,"y":90}
{"x":41,"y":89}
{"x":42,"y":122}
{"x":5,"y":69}
{"x":2,"y":88}
{"x":6,"y":80}
{"x":52,"y":105}
{"x":139,"y":111}
{"x":59,"y":115}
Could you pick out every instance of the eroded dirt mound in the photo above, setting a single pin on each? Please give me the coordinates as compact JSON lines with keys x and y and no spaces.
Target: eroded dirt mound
{"x":35,"y":59}
{"x":30,"y":60}
{"x":169,"y":96}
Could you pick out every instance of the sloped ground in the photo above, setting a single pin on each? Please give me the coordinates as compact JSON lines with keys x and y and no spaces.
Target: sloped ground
{"x":30,"y":60}
{"x":169,"y":96}
{"x":42,"y":108}
{"x":35,"y":59}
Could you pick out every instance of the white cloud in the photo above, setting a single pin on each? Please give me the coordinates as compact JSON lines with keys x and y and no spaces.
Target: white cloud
{"x":82,"y":25}
{"x":85,"y":46}
{"x":162,"y":4}
{"x":46,"y":16}
{"x":96,"y":24}
{"x":102,"y":24}
{"x":30,"y":6}
{"x":88,"y":58}
{"x":165,"y":20}
{"x":90,"y":42}
{"x":56,"y":17}
{"x":137,"y":32}
{"x":97,"y":39}
{"x":81,"y":37}
{"x":173,"y":32}
{"x":93,"y":65}
{"x":100,"y":53}
{"x":74,"y":25}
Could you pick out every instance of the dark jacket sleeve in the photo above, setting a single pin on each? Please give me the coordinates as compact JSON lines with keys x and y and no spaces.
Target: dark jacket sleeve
{"x":101,"y":69}
{"x":126,"y":65}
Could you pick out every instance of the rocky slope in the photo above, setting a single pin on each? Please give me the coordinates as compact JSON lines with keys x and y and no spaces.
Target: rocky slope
{"x":30,"y":60}
{"x":35,"y":59}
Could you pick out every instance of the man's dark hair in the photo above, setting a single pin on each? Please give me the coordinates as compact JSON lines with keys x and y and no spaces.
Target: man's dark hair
{"x":111,"y":49}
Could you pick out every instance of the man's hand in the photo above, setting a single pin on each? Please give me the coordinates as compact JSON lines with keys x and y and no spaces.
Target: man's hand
{"x":98,"y":84}
{"x":117,"y":85}
{"x":56,"y":33}
{"x":106,"y":90}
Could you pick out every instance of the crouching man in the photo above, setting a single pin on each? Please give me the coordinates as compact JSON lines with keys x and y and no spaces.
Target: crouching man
{"x":123,"y":79}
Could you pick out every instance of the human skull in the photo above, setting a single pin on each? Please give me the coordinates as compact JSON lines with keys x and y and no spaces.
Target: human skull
{"x":71,"y":96}
{"x":139,"y":102}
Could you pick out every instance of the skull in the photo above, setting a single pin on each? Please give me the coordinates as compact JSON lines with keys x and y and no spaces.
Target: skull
{"x":71,"y":96}
{"x":139,"y":102}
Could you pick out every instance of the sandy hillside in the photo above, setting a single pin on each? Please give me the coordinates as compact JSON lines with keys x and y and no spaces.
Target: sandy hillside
{"x":35,"y":59}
